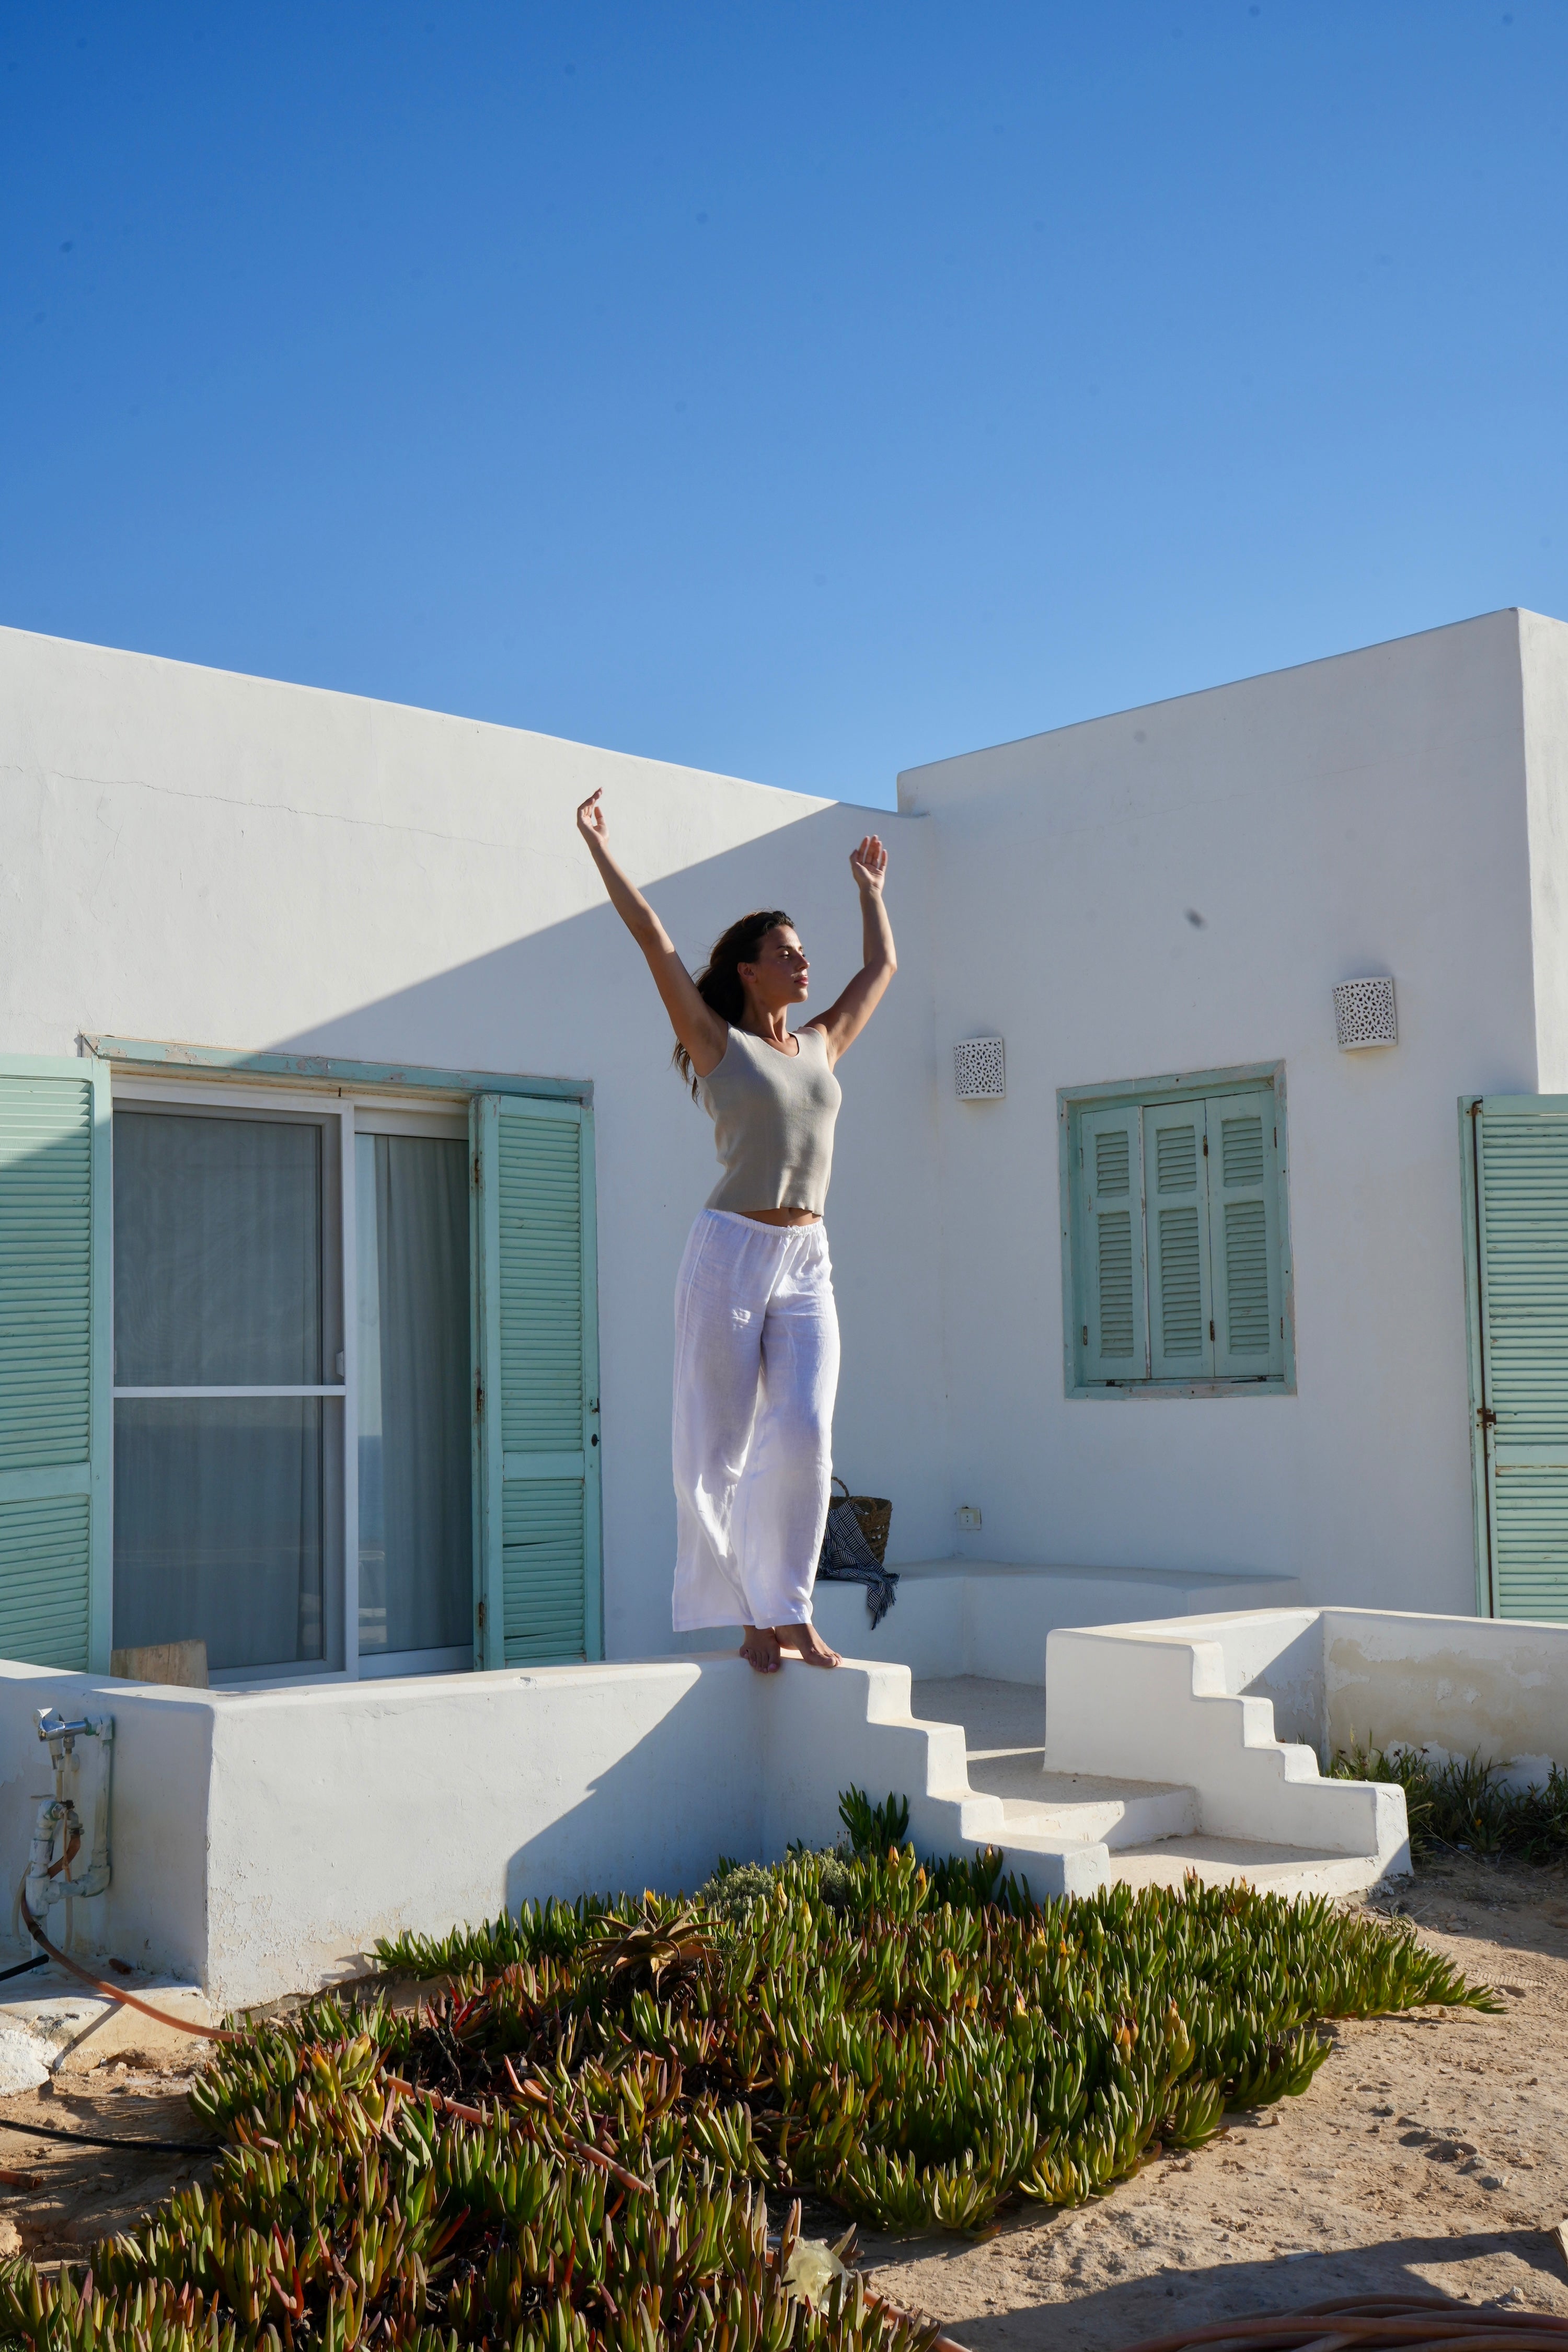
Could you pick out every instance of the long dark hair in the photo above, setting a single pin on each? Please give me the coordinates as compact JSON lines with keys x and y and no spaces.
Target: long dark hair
{"x":719,"y":984}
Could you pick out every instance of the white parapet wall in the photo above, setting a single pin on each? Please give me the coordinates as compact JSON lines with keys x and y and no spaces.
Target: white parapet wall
{"x":1456,"y":1686}
{"x":263,"y":1839}
{"x":1339,"y":1680}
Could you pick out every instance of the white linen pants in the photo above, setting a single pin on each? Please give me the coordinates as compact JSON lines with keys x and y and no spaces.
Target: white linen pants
{"x":756,"y":1369}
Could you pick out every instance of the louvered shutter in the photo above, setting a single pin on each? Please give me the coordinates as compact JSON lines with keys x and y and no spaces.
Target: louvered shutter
{"x":56,"y":1367}
{"x":1114,"y":1335}
{"x":1521,"y":1178}
{"x":1244,"y":1236}
{"x":536,"y":1382}
{"x":1181,"y":1308}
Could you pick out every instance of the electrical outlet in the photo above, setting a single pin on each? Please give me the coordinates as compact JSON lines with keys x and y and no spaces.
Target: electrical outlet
{"x":968,"y":1514}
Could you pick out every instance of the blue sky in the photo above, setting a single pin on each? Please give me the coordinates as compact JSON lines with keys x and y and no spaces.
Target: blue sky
{"x":803,"y":392}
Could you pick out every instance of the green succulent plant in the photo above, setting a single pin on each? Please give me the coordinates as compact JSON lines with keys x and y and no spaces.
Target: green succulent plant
{"x":1466,"y":1803}
{"x":568,"y":2148}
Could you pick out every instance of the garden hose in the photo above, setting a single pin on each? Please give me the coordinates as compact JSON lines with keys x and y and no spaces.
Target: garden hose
{"x":116,"y":1992}
{"x":466,"y":2113}
{"x":96,"y":2139}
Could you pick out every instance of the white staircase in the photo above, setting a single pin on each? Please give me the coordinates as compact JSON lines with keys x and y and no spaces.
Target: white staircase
{"x":1067,"y":1832}
{"x":1138,"y":1763}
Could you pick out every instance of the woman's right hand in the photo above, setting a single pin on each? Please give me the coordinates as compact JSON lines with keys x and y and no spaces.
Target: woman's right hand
{"x":592,"y":822}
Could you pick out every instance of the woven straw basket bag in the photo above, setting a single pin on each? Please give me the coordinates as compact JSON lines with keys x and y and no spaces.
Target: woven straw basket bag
{"x":875,"y":1513}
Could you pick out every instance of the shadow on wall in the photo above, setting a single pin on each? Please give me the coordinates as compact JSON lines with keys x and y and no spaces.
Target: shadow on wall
{"x":574,"y":999}
{"x":650,"y":1819}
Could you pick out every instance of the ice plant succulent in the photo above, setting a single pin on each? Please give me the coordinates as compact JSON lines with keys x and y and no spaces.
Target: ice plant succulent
{"x":569,"y":2145}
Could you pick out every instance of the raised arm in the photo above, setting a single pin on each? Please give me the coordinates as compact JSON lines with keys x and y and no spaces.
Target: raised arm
{"x":697,"y":1026}
{"x":844,"y":1020}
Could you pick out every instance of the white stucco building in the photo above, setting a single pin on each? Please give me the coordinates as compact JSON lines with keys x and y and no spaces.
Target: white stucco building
{"x":343,"y":1179}
{"x":1401,"y":811}
{"x":1190,"y":1297}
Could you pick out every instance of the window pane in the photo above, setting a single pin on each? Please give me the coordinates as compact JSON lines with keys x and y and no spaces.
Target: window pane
{"x":218,"y":1251}
{"x":223,"y":1524}
{"x":411,"y":1218}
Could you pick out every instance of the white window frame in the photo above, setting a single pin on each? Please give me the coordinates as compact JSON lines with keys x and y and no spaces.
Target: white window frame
{"x":359,"y":1112}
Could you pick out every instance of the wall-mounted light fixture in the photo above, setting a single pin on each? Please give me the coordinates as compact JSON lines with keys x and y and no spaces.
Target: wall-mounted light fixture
{"x":979,"y":1071}
{"x":1365,"y":1014}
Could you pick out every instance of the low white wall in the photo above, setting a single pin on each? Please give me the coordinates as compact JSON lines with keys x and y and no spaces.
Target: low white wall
{"x":1244,"y":1707}
{"x":1456,"y":1686}
{"x":262,"y":1840}
{"x":1340,"y":1679}
{"x":334,"y":1818}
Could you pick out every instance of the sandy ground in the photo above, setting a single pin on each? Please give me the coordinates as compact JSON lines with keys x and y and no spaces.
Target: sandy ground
{"x":81,"y":2193}
{"x":1429,"y":2155}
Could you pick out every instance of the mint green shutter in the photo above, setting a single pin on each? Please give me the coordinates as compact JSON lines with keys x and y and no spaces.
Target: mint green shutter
{"x":56,"y":1365}
{"x":1113,"y":1338}
{"x":1522,"y":1220}
{"x":537,"y":1547}
{"x":1244,"y":1236}
{"x":1181,"y":1306}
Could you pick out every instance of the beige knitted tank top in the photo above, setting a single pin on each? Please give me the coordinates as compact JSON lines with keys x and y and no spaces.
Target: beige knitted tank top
{"x":772,"y":1123}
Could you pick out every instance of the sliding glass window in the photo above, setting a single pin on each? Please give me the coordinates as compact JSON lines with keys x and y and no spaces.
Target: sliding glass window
{"x":265,"y":1311}
{"x":228,"y":1378}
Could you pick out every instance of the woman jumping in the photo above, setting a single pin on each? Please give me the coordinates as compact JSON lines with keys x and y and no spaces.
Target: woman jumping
{"x":756,"y":1332}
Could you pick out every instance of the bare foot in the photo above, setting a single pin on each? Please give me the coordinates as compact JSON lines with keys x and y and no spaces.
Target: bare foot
{"x":760,"y":1648}
{"x":808,"y":1642}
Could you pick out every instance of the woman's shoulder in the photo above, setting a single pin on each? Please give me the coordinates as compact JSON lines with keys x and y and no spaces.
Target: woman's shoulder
{"x":728,"y":1058}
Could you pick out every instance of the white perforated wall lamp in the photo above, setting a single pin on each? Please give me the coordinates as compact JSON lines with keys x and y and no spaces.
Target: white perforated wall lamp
{"x":1364,"y":1014}
{"x":979,"y":1069}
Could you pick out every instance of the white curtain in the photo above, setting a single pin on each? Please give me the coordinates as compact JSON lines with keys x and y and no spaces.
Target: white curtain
{"x":219,"y":1516}
{"x":228,"y":1511}
{"x":217,"y":1252}
{"x":223,"y":1517}
{"x":411,"y":1213}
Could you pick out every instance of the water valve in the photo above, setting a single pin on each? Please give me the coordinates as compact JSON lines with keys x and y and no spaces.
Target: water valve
{"x":74,"y":1816}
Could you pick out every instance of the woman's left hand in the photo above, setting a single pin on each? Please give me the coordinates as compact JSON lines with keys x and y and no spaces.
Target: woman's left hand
{"x":868,"y":864}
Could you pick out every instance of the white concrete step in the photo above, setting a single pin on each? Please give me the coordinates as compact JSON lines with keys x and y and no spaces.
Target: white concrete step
{"x":1287,"y":1870}
{"x":1004,"y":1729}
{"x":50,"y":2022}
{"x":1082,"y":1808}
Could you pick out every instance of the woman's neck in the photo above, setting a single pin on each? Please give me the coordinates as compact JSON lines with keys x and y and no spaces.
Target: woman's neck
{"x":772,"y":1027}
